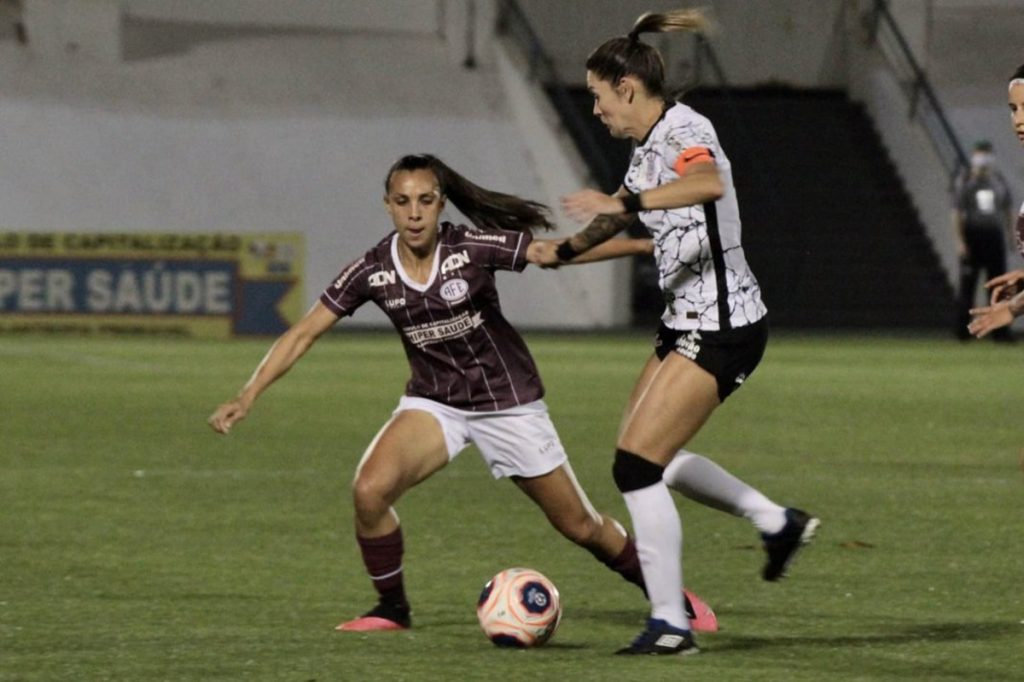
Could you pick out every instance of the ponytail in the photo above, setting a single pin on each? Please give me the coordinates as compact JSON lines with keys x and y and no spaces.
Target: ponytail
{"x":627,"y":56}
{"x":486,"y":209}
{"x":692,"y":20}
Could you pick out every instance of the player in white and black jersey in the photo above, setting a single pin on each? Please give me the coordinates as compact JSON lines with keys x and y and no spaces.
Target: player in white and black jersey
{"x":1007,"y":291}
{"x":473,"y":379}
{"x":713,"y":330}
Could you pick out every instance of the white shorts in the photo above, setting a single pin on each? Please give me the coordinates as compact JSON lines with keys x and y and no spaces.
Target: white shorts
{"x":519,"y":441}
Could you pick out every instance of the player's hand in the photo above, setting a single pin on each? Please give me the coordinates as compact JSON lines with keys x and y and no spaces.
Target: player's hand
{"x":543,"y":252}
{"x":227,"y":415}
{"x":582,"y":206}
{"x":1005,"y":286}
{"x":990,"y":318}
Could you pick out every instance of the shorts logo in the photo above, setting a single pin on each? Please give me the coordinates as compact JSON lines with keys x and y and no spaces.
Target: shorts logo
{"x":740,"y":378}
{"x":382,"y":278}
{"x":689,"y":345}
{"x":454,"y":290}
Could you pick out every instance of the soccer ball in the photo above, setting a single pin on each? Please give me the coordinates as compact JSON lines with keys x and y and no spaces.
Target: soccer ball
{"x":519,"y":607}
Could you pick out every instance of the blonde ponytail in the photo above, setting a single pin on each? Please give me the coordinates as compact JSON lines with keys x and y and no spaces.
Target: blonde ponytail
{"x":692,"y":20}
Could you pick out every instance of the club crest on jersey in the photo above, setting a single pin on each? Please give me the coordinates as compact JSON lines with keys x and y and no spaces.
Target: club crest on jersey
{"x":454,"y":290}
{"x":382,"y":278}
{"x":454,"y":262}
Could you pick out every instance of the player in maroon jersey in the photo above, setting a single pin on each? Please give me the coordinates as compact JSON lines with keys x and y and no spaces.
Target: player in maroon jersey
{"x":473,"y":379}
{"x":1007,"y":298}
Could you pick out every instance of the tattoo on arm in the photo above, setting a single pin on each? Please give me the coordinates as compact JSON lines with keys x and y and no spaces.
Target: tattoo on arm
{"x":601,"y":229}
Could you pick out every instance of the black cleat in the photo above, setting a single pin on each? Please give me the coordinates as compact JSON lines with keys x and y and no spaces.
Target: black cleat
{"x":661,"y":639}
{"x":782,"y":547}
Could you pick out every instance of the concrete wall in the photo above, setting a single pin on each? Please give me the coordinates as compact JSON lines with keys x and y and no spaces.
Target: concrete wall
{"x":417,"y":16}
{"x":197,"y":116}
{"x":252,"y":129}
{"x":799,"y":42}
{"x":873,"y":81}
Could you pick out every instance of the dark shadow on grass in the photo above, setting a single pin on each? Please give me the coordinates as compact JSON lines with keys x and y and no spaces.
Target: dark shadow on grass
{"x":563,"y":646}
{"x":883,"y":636}
{"x":884,"y":640}
{"x":186,"y":596}
{"x":635,"y":616}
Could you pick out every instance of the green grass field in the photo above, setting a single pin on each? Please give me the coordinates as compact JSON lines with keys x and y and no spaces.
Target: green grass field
{"x":138,"y":545}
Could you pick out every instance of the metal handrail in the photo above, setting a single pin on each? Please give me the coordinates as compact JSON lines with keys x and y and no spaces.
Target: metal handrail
{"x":932,"y":116}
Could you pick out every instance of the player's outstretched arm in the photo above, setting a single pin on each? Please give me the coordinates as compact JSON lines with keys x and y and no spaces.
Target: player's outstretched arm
{"x":1005,"y":286}
{"x":699,"y":183}
{"x":285,"y":352}
{"x":613,"y":248}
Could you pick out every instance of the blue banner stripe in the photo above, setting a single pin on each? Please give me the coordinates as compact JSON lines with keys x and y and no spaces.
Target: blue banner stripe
{"x":118,"y":286}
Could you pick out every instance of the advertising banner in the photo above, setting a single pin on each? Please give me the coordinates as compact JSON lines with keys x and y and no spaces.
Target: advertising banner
{"x":212,"y":285}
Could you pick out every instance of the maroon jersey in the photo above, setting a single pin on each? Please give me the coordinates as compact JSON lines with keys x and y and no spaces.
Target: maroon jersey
{"x":461,"y":349}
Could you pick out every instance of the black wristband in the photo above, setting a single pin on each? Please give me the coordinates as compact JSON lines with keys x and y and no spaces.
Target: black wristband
{"x":565,"y":252}
{"x":631,"y":203}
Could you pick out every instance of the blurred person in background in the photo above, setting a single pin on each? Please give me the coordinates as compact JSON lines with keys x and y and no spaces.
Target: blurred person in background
{"x":1007,"y":291}
{"x":983,"y":221}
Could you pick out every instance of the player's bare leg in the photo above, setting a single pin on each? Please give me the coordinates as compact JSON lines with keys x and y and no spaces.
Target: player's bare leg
{"x":566,"y":506}
{"x":406,"y":451}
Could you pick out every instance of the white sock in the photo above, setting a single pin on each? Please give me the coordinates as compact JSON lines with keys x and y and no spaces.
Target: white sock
{"x":659,"y":543}
{"x":701,"y":480}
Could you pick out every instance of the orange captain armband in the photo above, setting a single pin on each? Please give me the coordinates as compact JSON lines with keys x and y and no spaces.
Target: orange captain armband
{"x":691,"y":156}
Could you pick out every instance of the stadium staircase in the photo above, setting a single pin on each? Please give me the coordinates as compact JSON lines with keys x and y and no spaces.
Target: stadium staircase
{"x":828,"y":227}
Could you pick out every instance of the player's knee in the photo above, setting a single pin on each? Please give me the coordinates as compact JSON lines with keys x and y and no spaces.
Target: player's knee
{"x":633,"y":472}
{"x":370,"y":495}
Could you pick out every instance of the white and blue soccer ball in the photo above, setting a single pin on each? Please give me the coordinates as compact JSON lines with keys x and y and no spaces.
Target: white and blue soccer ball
{"x":519,"y":607}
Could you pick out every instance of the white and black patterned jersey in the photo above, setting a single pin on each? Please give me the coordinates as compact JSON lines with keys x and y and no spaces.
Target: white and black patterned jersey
{"x":461,"y":349}
{"x":701,"y":267}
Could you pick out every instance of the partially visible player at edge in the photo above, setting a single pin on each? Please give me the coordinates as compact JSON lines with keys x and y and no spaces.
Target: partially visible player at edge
{"x":713,"y":330}
{"x":473,"y":379}
{"x":1007,"y":298}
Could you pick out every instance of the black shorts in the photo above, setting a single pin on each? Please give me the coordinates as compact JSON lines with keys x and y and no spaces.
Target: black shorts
{"x":730,"y":356}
